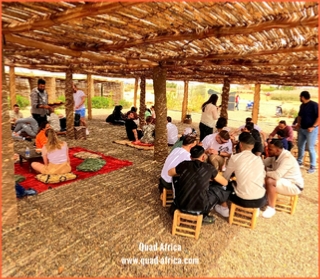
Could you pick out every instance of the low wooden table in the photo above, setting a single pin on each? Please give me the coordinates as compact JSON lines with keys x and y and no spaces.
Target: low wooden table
{"x":34,"y":157}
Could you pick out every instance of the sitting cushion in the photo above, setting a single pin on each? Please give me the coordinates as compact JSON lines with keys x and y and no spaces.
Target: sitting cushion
{"x":91,"y":164}
{"x":55,"y":178}
{"x":86,"y":155}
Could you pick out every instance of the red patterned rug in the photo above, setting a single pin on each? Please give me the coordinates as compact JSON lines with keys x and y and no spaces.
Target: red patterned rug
{"x":31,"y":182}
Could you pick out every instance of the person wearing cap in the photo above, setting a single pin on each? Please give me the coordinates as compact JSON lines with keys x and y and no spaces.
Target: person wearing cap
{"x":172,"y":132}
{"x":177,"y":156}
{"x":283,"y":175}
{"x":199,"y":186}
{"x":218,"y":147}
{"x":249,"y":188}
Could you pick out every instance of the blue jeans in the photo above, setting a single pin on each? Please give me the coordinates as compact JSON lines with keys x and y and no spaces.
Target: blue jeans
{"x":309,"y":138}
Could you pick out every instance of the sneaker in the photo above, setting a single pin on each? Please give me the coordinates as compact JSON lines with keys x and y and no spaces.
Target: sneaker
{"x":224,"y":211}
{"x":300,"y":164}
{"x":208,"y":220}
{"x":269,"y":212}
{"x":311,"y":170}
{"x":87,"y":132}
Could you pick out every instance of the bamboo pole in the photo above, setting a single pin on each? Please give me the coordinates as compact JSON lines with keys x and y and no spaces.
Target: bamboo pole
{"x":136,"y":82}
{"x":8,"y":195}
{"x":256,"y":100}
{"x":185,"y":101}
{"x":69,"y":105}
{"x":159,"y":87}
{"x":90,"y":91}
{"x":12,"y":82}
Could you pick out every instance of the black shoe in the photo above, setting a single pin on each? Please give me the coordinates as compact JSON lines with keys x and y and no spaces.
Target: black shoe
{"x":208,"y":220}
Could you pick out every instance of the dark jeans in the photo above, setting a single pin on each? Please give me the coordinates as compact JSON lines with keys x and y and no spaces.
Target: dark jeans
{"x":164,"y":184}
{"x":248,"y":203}
{"x":204,"y":131}
{"x":290,"y":145}
{"x":39,"y":118}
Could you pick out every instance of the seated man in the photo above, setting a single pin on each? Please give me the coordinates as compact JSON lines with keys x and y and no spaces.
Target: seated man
{"x":172,"y":132}
{"x":249,"y":170}
{"x":283,"y":175}
{"x":54,"y":120}
{"x":258,"y":147}
{"x":187,"y":131}
{"x":132,"y":129}
{"x":148,"y":131}
{"x":117,"y":117}
{"x":218,"y":147}
{"x":177,"y":156}
{"x":199,"y":187}
{"x":288,"y":133}
{"x":281,"y":136}
{"x":15,"y":114}
{"x":28,"y":126}
{"x":255,"y":126}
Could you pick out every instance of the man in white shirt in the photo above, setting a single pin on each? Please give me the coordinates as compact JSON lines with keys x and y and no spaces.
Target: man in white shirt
{"x":172,"y":132}
{"x":283,"y":175}
{"x":79,"y":99}
{"x":177,"y":156}
{"x":218,"y":147}
{"x":15,"y":114}
{"x":250,"y":174}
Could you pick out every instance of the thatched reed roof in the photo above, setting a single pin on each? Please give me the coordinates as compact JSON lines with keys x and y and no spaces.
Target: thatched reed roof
{"x":248,"y":42}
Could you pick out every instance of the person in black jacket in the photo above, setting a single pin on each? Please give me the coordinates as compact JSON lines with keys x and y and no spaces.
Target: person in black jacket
{"x":117,"y":117}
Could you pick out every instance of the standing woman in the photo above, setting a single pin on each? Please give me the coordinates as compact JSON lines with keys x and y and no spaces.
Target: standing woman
{"x":55,"y":154}
{"x":210,"y":113}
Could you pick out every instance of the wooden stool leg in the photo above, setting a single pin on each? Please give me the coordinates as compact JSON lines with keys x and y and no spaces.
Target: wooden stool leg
{"x":164,"y":197}
{"x":231,"y":215}
{"x":175,"y":221}
{"x":294,"y":201}
{"x":254,"y":218}
{"x":198,"y":228}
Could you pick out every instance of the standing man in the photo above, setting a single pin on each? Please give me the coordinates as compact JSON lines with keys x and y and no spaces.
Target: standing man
{"x":288,"y":132}
{"x":79,"y":98}
{"x":307,"y":129}
{"x":237,"y":102}
{"x":15,"y":114}
{"x":39,"y":102}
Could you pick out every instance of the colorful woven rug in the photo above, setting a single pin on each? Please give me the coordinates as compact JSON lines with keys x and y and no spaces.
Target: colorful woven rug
{"x":31,"y":182}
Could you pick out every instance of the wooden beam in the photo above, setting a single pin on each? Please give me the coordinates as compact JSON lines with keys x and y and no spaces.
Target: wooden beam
{"x":69,"y":105}
{"x":65,"y":51}
{"x":256,"y":104}
{"x":12,"y":83}
{"x":135,"y":93}
{"x":90,"y":92}
{"x":160,"y":105}
{"x":8,"y":193}
{"x":70,"y":15}
{"x":185,"y":101}
{"x":216,"y":31}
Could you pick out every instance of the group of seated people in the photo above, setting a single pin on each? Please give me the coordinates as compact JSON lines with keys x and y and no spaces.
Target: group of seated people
{"x":194,"y":171}
{"x":28,"y":128}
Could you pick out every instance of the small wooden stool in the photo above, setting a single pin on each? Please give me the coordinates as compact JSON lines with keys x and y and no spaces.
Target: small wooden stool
{"x":286,"y":203}
{"x":246,"y":217}
{"x":186,"y":224}
{"x":166,"y":197}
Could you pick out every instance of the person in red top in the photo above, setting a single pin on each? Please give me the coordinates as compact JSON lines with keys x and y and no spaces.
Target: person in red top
{"x":41,"y":138}
{"x":237,"y":102}
{"x":288,"y":133}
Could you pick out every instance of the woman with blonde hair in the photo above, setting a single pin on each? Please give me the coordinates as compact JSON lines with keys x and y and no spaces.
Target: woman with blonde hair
{"x":55,"y":154}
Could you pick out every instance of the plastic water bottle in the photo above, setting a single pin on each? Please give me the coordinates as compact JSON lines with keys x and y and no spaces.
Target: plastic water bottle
{"x":27,"y":152}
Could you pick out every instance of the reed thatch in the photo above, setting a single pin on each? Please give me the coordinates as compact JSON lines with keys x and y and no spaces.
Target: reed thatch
{"x":246,"y":42}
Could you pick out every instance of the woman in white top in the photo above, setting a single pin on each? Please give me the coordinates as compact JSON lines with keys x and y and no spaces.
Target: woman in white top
{"x":55,"y":154}
{"x":210,"y":113}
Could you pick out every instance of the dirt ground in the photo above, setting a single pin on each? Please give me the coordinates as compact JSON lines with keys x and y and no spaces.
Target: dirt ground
{"x":89,"y":228}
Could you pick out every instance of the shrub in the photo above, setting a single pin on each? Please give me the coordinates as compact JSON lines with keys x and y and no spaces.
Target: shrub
{"x":23,"y":102}
{"x":124,"y":103}
{"x":102,"y":102}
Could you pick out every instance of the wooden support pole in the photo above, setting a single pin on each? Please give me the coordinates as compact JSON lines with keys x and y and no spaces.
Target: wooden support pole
{"x":51,"y":89}
{"x":256,"y":100}
{"x":135,"y":92}
{"x":185,"y":101}
{"x":12,"y":83}
{"x":8,"y":193}
{"x":225,"y":98}
{"x":69,"y":105}
{"x":142,"y":108}
{"x":90,"y":92}
{"x":161,"y":140}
